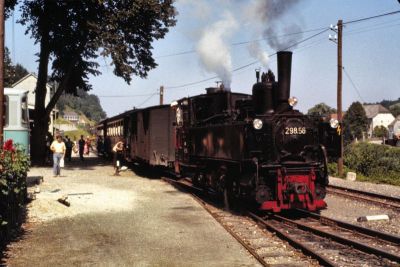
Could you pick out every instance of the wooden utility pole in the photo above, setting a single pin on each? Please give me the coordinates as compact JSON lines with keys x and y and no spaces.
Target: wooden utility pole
{"x":2,"y":111}
{"x":339,"y":94}
{"x":161,"y":95}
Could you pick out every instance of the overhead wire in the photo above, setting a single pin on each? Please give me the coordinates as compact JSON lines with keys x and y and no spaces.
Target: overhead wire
{"x":353,"y":84}
{"x":248,"y":64}
{"x":241,"y":43}
{"x":371,"y":17}
{"x":147,"y":99}
{"x":323,"y":29}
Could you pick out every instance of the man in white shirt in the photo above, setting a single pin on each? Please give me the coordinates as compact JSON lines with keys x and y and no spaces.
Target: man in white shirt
{"x":58,"y":148}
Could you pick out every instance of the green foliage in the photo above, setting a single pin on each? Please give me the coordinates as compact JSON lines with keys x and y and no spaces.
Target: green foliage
{"x":83,"y":102}
{"x":355,"y":122}
{"x":372,"y":162}
{"x":14,"y":165}
{"x":395,"y":109}
{"x":380,"y":131}
{"x":77,"y":32}
{"x":389,"y":103}
{"x":321,"y":109}
{"x":9,"y":7}
{"x":12,"y":73}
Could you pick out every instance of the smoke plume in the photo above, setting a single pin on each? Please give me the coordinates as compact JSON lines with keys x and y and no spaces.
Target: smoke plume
{"x":270,"y":14}
{"x":214,"y":50}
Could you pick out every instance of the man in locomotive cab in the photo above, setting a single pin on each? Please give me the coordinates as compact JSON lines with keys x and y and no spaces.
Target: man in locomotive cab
{"x":118,"y":155}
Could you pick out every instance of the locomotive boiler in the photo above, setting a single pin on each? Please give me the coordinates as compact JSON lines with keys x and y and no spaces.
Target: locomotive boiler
{"x":256,"y":147}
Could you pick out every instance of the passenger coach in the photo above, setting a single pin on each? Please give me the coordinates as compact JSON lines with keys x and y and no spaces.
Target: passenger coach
{"x":17,"y":117}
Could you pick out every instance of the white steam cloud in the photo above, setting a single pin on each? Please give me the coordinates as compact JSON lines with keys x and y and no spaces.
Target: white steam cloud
{"x":257,"y":52}
{"x":214,"y":49}
{"x":216,"y":21}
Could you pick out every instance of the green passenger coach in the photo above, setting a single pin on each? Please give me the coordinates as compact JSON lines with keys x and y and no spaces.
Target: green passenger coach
{"x":17,"y":117}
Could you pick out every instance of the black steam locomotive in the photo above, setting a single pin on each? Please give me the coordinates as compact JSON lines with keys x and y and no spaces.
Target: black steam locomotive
{"x":254,"y":147}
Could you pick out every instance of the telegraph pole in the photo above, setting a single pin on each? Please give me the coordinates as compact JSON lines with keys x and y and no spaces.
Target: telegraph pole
{"x":339,"y":93}
{"x":338,"y":40}
{"x":161,"y":95}
{"x":1,"y":71}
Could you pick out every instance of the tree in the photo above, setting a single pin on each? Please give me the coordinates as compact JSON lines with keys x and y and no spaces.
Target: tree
{"x":321,"y":109}
{"x":380,"y":131}
{"x":355,"y":122}
{"x":87,"y":104}
{"x":395,"y":110}
{"x":72,"y":34}
{"x":12,"y":73}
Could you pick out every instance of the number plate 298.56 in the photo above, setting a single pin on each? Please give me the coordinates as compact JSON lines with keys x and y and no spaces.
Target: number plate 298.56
{"x":295,"y":130}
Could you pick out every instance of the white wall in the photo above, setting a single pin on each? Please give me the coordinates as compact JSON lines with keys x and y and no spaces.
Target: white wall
{"x":29,"y":83}
{"x":383,"y":119}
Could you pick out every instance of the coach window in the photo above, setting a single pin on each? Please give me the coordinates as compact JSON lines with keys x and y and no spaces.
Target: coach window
{"x":24,"y":111}
{"x":12,"y":116}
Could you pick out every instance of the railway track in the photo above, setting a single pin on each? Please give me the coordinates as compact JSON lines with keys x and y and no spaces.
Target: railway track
{"x":328,"y":241}
{"x":263,"y":245}
{"x":374,"y":198}
{"x":332,"y":242}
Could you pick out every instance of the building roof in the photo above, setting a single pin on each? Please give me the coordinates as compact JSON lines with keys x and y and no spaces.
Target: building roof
{"x":373,"y":110}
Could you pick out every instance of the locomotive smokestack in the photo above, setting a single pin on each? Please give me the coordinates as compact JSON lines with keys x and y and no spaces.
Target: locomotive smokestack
{"x":284,"y":73}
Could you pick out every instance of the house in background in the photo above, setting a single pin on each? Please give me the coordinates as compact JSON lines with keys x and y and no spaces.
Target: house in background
{"x":29,"y":83}
{"x":377,"y":115}
{"x":394,"y":128}
{"x":71,"y":116}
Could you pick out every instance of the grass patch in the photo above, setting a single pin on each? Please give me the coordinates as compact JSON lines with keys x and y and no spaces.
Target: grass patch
{"x":76,"y":134}
{"x":60,"y":120}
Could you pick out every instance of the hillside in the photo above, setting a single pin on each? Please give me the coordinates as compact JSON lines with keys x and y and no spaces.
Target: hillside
{"x":392,"y":105}
{"x":84,"y":103}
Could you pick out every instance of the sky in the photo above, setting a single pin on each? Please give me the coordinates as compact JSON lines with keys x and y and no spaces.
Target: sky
{"x":215,"y":37}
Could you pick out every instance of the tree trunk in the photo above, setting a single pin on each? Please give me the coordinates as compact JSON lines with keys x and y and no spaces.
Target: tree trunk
{"x":41,"y":121}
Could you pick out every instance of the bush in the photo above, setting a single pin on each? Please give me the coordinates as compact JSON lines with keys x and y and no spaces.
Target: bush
{"x":376,"y":163}
{"x":14,"y":165}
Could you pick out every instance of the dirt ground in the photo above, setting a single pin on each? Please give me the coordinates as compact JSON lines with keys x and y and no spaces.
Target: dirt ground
{"x":118,"y":221}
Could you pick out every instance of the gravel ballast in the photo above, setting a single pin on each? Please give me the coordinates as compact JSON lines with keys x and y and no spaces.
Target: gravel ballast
{"x":349,"y":210}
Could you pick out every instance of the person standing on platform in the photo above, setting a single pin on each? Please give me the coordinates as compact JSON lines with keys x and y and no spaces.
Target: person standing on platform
{"x":81,"y":145}
{"x":68,"y":152}
{"x":58,"y":148}
{"x":117,"y":150}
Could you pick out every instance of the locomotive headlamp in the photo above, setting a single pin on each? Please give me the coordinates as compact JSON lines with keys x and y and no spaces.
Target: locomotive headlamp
{"x":334,"y":123}
{"x":257,"y":124}
{"x":293,"y":101}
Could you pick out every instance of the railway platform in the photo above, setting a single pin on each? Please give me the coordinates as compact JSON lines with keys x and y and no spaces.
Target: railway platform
{"x":125,"y":220}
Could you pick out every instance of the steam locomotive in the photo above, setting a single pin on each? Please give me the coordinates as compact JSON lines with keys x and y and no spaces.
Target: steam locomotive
{"x":249,"y":147}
